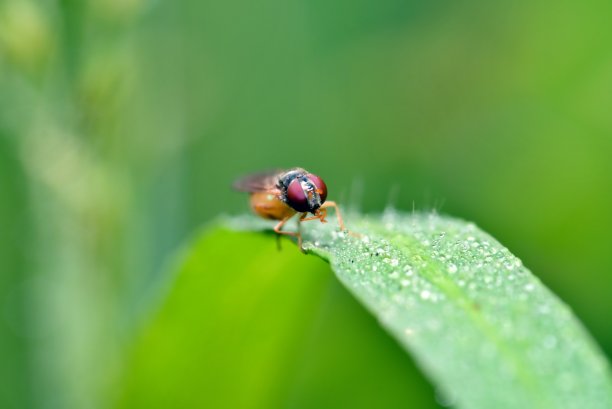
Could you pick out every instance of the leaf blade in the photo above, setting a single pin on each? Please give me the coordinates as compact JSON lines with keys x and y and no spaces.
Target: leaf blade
{"x":483,"y":328}
{"x":243,"y":325}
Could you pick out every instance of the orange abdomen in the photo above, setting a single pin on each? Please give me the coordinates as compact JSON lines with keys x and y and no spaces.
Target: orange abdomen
{"x":269,"y":206}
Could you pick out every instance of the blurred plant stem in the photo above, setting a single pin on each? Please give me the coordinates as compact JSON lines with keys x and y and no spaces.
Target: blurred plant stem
{"x":78,"y":224}
{"x":78,"y":186}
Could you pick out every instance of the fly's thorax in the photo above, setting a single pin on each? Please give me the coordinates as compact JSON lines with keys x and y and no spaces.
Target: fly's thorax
{"x":269,"y":206}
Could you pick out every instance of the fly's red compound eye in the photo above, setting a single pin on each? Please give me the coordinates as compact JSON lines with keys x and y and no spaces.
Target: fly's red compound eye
{"x":296,"y":197}
{"x":319,"y":185}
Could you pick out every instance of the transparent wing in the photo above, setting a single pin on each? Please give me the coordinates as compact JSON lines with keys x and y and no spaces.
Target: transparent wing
{"x":258,"y":182}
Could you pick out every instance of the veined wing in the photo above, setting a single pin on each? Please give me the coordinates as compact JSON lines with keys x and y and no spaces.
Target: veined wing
{"x":258,"y":182}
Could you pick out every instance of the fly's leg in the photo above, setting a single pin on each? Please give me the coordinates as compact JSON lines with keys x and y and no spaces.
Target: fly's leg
{"x":338,"y":215}
{"x":300,"y":220}
{"x":320,"y":215}
{"x":280,"y":224}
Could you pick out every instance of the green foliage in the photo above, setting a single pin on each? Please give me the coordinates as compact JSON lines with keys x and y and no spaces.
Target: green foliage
{"x":247,"y":326}
{"x":14,"y":331}
{"x":479,"y":323}
{"x":123,"y":122}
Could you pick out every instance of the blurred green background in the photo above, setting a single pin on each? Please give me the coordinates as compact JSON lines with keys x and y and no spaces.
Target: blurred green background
{"x":123,"y":123}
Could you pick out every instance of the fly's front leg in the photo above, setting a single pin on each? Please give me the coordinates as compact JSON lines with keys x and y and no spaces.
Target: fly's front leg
{"x":300,"y":220}
{"x":297,"y":234}
{"x":320,"y":215}
{"x":338,"y":215}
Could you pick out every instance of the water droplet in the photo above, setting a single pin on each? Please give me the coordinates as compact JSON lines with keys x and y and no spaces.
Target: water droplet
{"x":394,"y":262}
{"x":452,"y":268}
{"x":425,"y":294}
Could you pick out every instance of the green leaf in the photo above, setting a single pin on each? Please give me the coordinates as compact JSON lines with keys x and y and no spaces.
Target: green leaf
{"x":479,"y":323}
{"x":245,"y":325}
